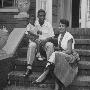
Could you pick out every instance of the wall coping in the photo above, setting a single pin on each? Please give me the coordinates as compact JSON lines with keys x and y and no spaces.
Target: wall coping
{"x":9,"y":10}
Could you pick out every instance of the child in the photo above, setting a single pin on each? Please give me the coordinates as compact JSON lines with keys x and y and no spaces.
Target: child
{"x":33,"y":35}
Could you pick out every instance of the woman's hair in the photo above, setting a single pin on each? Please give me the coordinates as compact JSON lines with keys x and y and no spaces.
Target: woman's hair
{"x":64,"y":21}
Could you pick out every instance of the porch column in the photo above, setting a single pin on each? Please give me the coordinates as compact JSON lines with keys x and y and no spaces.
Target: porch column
{"x":83,"y":13}
{"x":47,"y":6}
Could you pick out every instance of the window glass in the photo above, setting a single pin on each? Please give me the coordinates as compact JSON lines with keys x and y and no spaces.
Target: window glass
{"x":7,"y":3}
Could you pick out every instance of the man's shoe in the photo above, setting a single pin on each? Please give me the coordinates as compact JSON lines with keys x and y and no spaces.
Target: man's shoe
{"x":28,"y":72}
{"x":35,"y":82}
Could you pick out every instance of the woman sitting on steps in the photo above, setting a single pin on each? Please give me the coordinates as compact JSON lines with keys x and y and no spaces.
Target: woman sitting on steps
{"x":62,"y":63}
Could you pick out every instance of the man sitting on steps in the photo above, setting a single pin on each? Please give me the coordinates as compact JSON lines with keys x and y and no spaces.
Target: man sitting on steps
{"x":46,"y":34}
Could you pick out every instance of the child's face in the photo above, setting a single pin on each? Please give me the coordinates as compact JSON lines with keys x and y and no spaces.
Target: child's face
{"x":62,"y":28}
{"x":32,"y":20}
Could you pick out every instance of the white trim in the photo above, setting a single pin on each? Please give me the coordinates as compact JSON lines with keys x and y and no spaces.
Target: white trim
{"x":9,"y":10}
{"x":83,"y":13}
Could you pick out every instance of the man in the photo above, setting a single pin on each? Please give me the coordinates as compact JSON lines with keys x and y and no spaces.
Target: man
{"x":46,"y":33}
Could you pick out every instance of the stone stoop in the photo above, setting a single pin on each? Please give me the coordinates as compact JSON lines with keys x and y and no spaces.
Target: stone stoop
{"x":81,"y":82}
{"x":16,"y":78}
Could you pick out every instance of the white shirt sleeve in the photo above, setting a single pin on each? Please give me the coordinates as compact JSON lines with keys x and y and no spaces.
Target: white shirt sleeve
{"x":51,"y":31}
{"x":27,"y":29}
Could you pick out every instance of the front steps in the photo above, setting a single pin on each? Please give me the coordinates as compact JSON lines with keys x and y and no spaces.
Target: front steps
{"x":82,"y":80}
{"x":16,"y":77}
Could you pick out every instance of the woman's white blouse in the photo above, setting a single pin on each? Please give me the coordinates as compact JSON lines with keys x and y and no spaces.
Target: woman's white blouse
{"x":65,"y":40}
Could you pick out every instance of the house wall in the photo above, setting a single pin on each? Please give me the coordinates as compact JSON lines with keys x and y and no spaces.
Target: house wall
{"x":61,"y":9}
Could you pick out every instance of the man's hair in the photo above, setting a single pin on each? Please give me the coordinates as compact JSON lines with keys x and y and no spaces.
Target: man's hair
{"x":41,"y":10}
{"x":64,"y":21}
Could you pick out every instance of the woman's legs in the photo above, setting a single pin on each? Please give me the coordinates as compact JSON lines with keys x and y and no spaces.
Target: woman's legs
{"x":49,"y":67}
{"x":58,"y":84}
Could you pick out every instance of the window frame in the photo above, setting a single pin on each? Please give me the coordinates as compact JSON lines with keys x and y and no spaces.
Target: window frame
{"x":12,"y":8}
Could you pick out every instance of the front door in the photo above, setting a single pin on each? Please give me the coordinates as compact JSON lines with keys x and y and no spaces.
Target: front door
{"x":75,"y":13}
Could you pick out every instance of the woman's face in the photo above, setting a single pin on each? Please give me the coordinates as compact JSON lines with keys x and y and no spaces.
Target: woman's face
{"x":62,"y":28}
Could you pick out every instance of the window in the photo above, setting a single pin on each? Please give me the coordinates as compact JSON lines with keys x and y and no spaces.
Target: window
{"x":7,"y":3}
{"x":88,"y":9}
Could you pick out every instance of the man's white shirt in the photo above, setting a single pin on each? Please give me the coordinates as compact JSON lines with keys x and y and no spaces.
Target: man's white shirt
{"x":46,"y":29}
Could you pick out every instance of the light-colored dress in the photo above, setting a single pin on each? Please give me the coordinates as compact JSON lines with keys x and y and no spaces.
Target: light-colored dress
{"x":65,"y":68}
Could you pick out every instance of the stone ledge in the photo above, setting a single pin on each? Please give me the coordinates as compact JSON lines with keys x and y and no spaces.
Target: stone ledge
{"x":83,"y":52}
{"x":17,"y":78}
{"x":84,"y":65}
{"x":82,"y":81}
{"x":82,"y":41}
{"x":76,"y":31}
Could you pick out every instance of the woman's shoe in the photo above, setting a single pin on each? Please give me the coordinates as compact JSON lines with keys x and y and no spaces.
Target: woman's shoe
{"x":41,"y":78}
{"x":50,"y":66}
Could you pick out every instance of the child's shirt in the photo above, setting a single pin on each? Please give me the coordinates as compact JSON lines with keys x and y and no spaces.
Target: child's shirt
{"x":31,"y":28}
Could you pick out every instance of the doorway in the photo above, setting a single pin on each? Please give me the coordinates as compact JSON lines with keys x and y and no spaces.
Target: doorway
{"x":75,"y":13}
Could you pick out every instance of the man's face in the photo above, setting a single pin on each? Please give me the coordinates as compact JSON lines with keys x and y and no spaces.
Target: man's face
{"x":41,"y":17}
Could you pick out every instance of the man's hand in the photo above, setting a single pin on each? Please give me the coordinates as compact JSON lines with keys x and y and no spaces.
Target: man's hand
{"x":39,"y":32}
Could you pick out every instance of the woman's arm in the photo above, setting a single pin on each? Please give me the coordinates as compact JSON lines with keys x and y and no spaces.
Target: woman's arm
{"x":69,"y":47}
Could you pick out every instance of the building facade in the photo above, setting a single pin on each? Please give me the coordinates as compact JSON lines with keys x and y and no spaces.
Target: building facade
{"x":76,"y":11}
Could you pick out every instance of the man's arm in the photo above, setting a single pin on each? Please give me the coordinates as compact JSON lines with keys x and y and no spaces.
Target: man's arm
{"x":50,"y":39}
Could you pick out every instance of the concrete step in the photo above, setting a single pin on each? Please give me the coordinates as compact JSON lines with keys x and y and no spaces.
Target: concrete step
{"x":78,"y":88}
{"x":82,"y":41}
{"x":84,"y":72}
{"x":80,"y":51}
{"x":82,"y":44}
{"x":82,"y":81}
{"x":84,"y":65}
{"x":21,"y":64}
{"x":23,"y":61}
{"x":13,"y":87}
{"x":16,"y":78}
{"x":84,"y":68}
{"x":84,"y":54}
{"x":77,"y":32}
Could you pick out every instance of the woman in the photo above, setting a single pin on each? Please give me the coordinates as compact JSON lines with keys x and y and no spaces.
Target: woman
{"x":63,"y":63}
